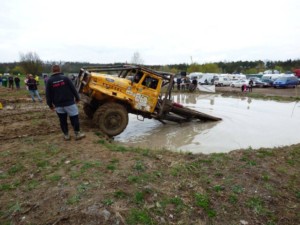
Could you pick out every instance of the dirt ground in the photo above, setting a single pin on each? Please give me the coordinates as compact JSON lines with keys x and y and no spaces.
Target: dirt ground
{"x":45,"y":180}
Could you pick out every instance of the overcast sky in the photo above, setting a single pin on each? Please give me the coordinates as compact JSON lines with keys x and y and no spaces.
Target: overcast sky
{"x":161,"y":31}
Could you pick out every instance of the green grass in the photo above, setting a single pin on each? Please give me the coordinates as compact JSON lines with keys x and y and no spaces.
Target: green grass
{"x":139,"y":217}
{"x":202,"y":200}
{"x":73,"y":199}
{"x":54,"y":177}
{"x":7,"y":187}
{"x":257,"y":205}
{"x":139,"y":166}
{"x":120,"y":194}
{"x":218,"y":188}
{"x":15,"y":169}
{"x":33,"y":184}
{"x":88,"y":165}
{"x":139,"y":197}
{"x":108,"y":202}
{"x":237,"y":189}
{"x":112,"y":164}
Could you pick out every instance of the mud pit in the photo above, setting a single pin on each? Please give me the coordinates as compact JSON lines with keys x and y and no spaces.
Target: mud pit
{"x":247,"y":123}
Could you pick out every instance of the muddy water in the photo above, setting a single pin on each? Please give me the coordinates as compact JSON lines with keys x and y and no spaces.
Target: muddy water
{"x":247,"y":123}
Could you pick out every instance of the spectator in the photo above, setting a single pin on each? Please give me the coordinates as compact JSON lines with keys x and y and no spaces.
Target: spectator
{"x":17,"y":82}
{"x":4,"y":81}
{"x":250,"y":85}
{"x":61,"y":96}
{"x":32,"y":87}
{"x":37,"y":79}
{"x":178,"y":81}
{"x":11,"y":82}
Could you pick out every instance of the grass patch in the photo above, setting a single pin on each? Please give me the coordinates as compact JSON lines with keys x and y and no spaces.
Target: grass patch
{"x":233,"y":199}
{"x":73,"y":199}
{"x":15,"y":169}
{"x":107,"y":202}
{"x":112,"y":166}
{"x":262,"y":153}
{"x":42,"y":163}
{"x":298,"y":194}
{"x":139,"y":217}
{"x":120,"y":194}
{"x":202,"y":200}
{"x":218,"y":188}
{"x":32,"y":185}
{"x":88,"y":165}
{"x":139,"y":166}
{"x":6,"y":187}
{"x":139,"y":197}
{"x":237,"y":189}
{"x":54,"y":177}
{"x":256,"y":204}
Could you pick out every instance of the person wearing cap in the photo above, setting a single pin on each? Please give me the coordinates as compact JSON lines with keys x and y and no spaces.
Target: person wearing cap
{"x":32,"y":87}
{"x":62,"y":97}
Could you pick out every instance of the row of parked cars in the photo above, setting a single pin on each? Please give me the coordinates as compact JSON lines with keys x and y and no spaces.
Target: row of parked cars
{"x":283,"y":81}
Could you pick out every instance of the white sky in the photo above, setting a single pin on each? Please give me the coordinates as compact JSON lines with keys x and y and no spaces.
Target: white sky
{"x":161,"y":31}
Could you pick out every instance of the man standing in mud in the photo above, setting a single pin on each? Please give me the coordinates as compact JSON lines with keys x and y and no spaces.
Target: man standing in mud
{"x":61,"y":96}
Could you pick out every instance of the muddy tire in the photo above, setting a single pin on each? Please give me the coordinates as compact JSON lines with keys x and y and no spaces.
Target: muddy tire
{"x":88,"y":110}
{"x":111,"y":118}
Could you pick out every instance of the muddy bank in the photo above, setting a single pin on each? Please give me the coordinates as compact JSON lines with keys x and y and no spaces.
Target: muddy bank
{"x":263,"y":92}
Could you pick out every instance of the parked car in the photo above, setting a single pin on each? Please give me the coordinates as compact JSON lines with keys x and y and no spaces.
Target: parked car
{"x":268,"y":81}
{"x":222,"y":81}
{"x":286,"y":81}
{"x":259,"y":83}
{"x":240,"y":83}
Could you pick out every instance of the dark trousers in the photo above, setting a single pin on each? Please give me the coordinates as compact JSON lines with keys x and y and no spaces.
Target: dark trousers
{"x":63,"y":119}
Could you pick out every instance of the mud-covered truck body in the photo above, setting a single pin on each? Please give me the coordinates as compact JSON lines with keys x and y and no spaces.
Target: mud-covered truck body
{"x":109,"y":93}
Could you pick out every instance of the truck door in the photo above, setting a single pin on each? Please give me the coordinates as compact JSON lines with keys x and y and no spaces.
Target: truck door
{"x":146,"y":88}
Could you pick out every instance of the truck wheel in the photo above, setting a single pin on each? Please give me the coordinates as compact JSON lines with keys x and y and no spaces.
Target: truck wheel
{"x":88,"y":110}
{"x":111,"y":118}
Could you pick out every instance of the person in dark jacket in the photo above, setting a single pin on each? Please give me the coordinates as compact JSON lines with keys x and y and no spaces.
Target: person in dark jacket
{"x":17,"y":82}
{"x":11,"y":82}
{"x":32,"y":87}
{"x":62,"y":97}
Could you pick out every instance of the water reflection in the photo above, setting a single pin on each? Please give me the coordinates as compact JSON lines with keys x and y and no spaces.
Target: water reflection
{"x":246,"y":123}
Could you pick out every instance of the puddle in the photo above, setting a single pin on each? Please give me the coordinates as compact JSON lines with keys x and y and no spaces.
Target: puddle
{"x":246,"y":123}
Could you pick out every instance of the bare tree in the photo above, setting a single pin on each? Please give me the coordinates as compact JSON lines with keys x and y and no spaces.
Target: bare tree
{"x":31,"y":63}
{"x":137,"y":59}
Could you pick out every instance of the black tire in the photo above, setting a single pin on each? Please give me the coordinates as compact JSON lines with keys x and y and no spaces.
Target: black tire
{"x":111,"y":118}
{"x":88,"y":110}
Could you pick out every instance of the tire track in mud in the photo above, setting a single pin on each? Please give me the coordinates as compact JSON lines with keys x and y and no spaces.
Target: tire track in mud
{"x":26,"y":119}
{"x":21,"y":120}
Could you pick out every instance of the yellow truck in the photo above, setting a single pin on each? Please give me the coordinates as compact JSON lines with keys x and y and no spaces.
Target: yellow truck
{"x":109,"y":93}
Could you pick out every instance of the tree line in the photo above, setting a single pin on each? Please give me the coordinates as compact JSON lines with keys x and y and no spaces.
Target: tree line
{"x":31,"y":63}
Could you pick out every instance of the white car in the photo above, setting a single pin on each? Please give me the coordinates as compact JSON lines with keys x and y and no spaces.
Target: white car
{"x":222,"y":81}
{"x":239,"y":83}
